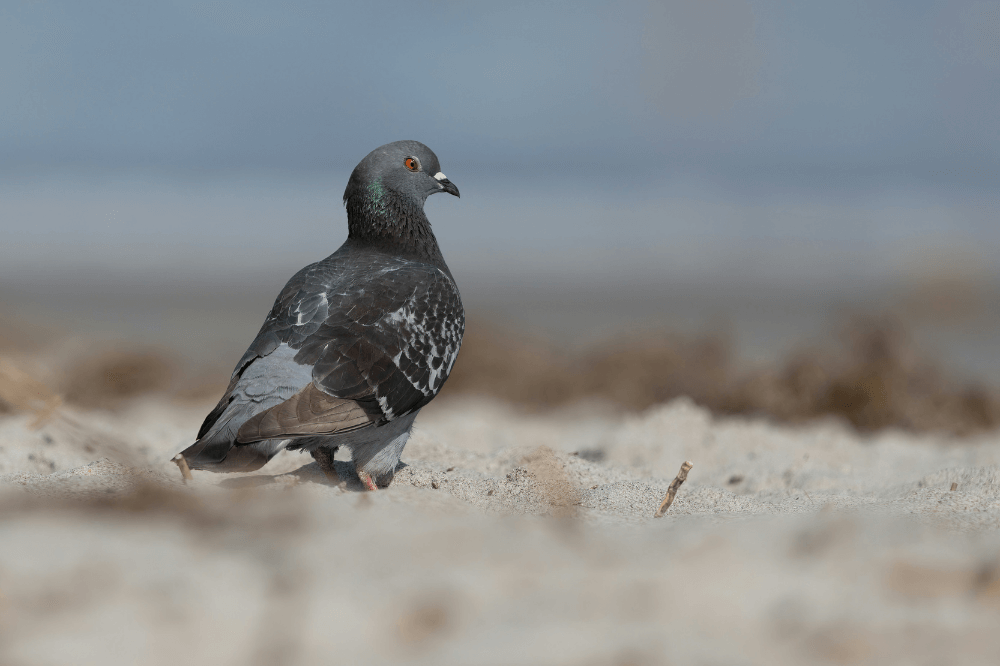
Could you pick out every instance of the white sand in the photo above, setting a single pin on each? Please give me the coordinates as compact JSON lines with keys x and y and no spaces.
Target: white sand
{"x":507,"y":539}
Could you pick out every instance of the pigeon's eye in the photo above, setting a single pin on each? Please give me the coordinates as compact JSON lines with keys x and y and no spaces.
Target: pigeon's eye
{"x":412,"y":164}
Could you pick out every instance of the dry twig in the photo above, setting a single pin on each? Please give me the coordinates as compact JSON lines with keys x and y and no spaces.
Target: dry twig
{"x":672,"y":490}
{"x":182,"y":465}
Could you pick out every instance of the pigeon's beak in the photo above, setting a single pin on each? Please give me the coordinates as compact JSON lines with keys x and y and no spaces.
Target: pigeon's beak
{"x":446,"y":185}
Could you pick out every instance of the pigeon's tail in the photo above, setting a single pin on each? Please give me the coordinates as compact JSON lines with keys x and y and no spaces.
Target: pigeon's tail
{"x":228,"y":456}
{"x":218,"y":448}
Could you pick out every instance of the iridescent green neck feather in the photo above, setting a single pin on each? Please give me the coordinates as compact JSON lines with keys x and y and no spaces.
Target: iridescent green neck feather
{"x":379,"y":217}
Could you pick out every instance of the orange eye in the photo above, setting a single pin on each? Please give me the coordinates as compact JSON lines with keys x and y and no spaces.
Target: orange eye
{"x":412,"y":164}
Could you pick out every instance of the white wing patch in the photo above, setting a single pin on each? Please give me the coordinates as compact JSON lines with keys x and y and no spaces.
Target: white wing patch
{"x":386,"y":409}
{"x":401,"y":315}
{"x":308,"y":309}
{"x":431,"y":337}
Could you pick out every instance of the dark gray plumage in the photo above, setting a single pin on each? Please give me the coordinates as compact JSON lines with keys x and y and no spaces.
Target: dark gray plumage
{"x":355,"y":344}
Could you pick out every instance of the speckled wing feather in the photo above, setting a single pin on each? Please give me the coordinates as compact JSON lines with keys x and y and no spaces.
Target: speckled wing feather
{"x":381,"y":334}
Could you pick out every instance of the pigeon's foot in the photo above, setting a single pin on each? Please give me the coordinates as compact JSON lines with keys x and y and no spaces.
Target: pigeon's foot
{"x":324,"y":457}
{"x":367,"y":480}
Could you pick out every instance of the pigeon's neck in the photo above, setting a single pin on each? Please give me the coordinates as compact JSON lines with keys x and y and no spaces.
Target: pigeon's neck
{"x":390,"y":223}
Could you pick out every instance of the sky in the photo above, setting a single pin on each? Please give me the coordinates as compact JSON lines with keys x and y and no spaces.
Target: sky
{"x":850,"y":135}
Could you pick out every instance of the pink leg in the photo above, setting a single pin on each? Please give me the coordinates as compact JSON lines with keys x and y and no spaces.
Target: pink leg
{"x":367,"y":480}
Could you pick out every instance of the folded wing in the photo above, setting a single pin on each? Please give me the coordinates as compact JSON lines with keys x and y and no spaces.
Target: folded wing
{"x":357,"y":351}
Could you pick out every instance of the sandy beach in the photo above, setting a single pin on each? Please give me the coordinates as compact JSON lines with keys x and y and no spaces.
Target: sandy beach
{"x":507,"y":538}
{"x":755,"y":241}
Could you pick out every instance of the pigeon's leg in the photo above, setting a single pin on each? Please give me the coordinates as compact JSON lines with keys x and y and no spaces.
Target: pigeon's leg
{"x":378,"y":472}
{"x":324,"y":456}
{"x":367,"y":480}
{"x":376,"y":461}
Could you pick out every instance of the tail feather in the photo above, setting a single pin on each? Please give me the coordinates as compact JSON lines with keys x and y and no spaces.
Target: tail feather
{"x":225,"y":456}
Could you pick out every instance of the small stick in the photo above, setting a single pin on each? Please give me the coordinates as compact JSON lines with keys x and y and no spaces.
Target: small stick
{"x":182,"y":465}
{"x":672,"y":490}
{"x":954,"y":486}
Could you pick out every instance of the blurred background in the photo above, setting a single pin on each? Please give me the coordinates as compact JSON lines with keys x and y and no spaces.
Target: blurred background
{"x":773,"y":207}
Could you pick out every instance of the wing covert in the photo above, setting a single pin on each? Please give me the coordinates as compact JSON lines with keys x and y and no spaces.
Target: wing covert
{"x":389,"y":343}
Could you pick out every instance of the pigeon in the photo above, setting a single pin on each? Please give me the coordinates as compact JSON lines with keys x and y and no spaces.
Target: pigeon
{"x":356,"y":344}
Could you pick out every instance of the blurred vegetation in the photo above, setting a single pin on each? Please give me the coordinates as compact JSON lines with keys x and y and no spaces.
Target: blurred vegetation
{"x":873,"y":378}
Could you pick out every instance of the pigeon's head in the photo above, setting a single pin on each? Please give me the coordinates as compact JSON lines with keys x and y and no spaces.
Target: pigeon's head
{"x":405,"y":169}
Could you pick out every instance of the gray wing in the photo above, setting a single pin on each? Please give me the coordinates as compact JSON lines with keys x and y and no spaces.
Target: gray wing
{"x":386,"y":346}
{"x":340,"y":350}
{"x":263,"y":382}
